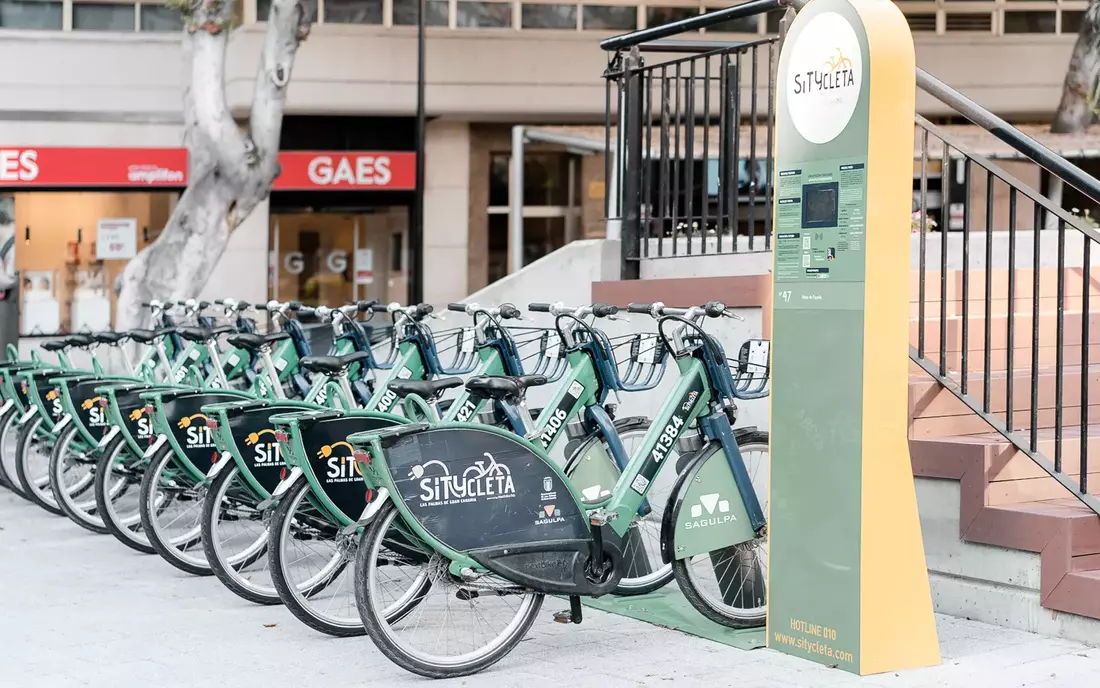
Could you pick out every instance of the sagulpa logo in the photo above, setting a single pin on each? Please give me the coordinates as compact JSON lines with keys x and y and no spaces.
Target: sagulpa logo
{"x":711,"y":510}
{"x":199,"y":436}
{"x":487,"y":479}
{"x":549,"y":513}
{"x":342,"y":466}
{"x":267,"y":454}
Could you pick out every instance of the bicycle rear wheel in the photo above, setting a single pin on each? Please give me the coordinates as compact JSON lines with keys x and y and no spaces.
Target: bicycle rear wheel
{"x":72,"y":479}
{"x":728,"y":586}
{"x":309,"y":565}
{"x":459,"y":627}
{"x":9,"y":439}
{"x":118,"y":495}
{"x":235,"y":538}
{"x":171,"y":512}
{"x":32,"y":466}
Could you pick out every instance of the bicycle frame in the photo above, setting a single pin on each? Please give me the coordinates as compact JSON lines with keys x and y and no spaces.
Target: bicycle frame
{"x":688,"y":402}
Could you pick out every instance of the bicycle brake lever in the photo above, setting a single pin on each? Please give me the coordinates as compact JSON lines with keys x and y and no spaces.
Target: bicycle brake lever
{"x":618,"y":317}
{"x":731,"y":314}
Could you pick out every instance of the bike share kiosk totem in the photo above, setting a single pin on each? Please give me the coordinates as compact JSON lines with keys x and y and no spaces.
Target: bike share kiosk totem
{"x":847,"y":579}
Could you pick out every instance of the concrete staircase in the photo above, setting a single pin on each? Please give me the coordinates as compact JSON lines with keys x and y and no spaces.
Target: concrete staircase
{"x":1005,"y":542}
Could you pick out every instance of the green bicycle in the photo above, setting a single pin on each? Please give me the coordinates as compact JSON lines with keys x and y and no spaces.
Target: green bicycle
{"x":488,"y":519}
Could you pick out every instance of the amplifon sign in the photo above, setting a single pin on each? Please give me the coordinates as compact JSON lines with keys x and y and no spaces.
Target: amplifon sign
{"x":167,"y":167}
{"x":104,"y":167}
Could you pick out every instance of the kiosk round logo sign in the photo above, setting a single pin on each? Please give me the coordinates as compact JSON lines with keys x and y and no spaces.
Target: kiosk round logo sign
{"x":824,"y":77}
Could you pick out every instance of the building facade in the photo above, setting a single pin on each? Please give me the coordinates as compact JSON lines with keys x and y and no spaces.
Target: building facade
{"x":109,"y":75}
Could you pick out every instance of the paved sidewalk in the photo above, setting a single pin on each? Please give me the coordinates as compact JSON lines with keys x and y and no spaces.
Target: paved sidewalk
{"x":79,"y":609}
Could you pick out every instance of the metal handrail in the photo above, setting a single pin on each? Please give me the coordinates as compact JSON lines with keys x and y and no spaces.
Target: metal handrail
{"x":742,"y":11}
{"x":1029,"y":147}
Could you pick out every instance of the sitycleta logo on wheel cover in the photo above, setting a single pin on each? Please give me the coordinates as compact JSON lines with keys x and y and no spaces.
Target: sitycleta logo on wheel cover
{"x":484,"y":479}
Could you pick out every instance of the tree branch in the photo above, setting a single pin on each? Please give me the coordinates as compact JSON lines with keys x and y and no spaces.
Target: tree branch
{"x":287,"y":26}
{"x":208,"y":39}
{"x":1077,"y":108}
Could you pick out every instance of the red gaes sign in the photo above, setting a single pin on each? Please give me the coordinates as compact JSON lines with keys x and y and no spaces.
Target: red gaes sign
{"x":42,"y":167}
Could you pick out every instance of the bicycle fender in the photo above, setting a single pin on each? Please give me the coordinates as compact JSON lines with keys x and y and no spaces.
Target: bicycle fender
{"x":704,"y":511}
{"x":219,"y":465}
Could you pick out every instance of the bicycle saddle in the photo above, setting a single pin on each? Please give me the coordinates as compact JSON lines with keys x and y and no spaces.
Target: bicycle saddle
{"x":203,"y":334}
{"x":109,"y":337}
{"x":428,"y":389}
{"x":68,"y":342}
{"x":503,"y":387}
{"x":147,"y":336}
{"x":253,"y":342}
{"x":332,"y":364}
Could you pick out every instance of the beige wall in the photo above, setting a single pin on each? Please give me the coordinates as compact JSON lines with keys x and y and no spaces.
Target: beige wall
{"x":538,"y":76}
{"x":446,"y":210}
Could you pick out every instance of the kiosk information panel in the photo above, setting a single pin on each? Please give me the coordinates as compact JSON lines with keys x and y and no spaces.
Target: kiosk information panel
{"x":847,"y":580}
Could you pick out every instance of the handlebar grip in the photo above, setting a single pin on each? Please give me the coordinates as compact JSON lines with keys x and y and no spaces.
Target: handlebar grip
{"x":423,"y":309}
{"x":365,"y":305}
{"x":304,"y":310}
{"x":509,"y":311}
{"x":639,"y":307}
{"x":180,"y":303}
{"x":457,"y":307}
{"x":714,"y":309}
{"x":379,"y":308}
{"x":602,"y":310}
{"x":146,"y":304}
{"x":295,"y":306}
{"x":219,"y":302}
{"x":538,"y":307}
{"x":243,"y":305}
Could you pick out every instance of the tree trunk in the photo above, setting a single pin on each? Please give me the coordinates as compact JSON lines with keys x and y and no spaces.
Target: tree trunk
{"x":1078,"y":108}
{"x":230,"y":170}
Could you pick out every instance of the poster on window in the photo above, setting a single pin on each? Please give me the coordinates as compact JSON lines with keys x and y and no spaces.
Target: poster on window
{"x":364,"y":266}
{"x":116,"y":238}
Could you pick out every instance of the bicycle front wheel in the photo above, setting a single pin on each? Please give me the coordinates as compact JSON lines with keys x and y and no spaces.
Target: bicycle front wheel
{"x":728,"y":585}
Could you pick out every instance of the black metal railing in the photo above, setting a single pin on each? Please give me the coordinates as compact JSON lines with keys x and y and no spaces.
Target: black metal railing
{"x":693,"y":136}
{"x":1003,"y":316}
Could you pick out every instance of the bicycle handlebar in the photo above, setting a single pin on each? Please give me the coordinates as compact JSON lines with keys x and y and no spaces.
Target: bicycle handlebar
{"x":711,"y":309}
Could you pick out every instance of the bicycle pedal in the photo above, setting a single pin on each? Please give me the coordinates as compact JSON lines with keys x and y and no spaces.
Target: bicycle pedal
{"x":573,"y":615}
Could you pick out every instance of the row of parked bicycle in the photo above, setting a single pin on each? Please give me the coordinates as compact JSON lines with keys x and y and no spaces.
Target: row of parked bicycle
{"x":347,"y":488}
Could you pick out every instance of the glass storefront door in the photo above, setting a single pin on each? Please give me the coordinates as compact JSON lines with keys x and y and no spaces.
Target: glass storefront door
{"x":322,"y":258}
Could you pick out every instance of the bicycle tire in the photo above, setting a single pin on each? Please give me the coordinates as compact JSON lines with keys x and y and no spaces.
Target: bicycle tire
{"x":283,"y":512}
{"x":57,"y":456}
{"x":7,"y":425}
{"x":167,"y":552}
{"x":376,"y":626}
{"x":26,"y":441}
{"x":223,"y":569}
{"x":121,"y":532}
